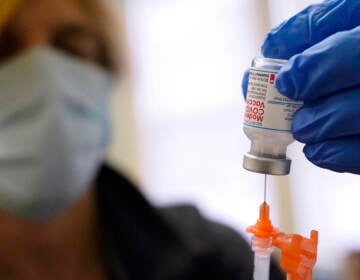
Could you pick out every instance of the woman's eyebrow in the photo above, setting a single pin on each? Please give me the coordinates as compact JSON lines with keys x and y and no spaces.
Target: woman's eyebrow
{"x":64,"y":35}
{"x":72,"y":29}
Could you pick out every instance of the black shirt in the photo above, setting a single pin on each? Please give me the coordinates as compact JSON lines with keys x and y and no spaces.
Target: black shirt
{"x":142,"y":242}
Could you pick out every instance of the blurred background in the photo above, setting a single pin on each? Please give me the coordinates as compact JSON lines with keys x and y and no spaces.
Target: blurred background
{"x":178,"y":124}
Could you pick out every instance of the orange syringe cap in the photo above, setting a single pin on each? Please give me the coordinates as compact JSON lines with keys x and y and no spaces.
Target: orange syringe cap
{"x":263,"y":227}
{"x":298,"y":254}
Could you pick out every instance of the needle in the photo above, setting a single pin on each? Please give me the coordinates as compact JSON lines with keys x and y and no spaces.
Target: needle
{"x":265,"y":186}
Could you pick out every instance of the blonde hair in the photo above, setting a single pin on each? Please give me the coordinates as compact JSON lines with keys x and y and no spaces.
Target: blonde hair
{"x":7,"y":7}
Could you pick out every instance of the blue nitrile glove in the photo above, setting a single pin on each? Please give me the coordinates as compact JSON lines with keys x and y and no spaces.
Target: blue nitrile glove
{"x":323,"y":44}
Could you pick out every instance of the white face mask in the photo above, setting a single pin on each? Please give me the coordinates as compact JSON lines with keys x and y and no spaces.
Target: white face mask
{"x":54,"y":130}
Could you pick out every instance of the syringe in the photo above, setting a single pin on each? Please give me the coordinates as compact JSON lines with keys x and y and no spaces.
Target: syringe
{"x":261,"y":244}
{"x":298,"y":253}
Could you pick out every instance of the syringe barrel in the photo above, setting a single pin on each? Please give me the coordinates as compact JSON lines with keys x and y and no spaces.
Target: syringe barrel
{"x":262,"y":248}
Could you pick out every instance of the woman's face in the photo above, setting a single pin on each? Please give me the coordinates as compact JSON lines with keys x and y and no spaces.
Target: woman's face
{"x":62,"y":24}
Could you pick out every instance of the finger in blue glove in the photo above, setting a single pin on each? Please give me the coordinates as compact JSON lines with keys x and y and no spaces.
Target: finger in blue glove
{"x":311,"y":26}
{"x":330,"y":118}
{"x":324,"y":69}
{"x":245,"y":82}
{"x":340,"y":155}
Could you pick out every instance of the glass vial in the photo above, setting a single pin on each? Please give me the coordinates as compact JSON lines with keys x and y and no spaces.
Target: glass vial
{"x":267,"y":120}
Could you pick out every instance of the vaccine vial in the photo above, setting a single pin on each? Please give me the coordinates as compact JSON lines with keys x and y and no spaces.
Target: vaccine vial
{"x":267,"y":120}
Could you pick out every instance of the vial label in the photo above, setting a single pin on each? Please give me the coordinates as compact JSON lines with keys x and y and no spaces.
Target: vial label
{"x":266,"y":108}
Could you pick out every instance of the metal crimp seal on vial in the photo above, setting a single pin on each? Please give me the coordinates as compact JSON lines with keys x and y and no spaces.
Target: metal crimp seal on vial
{"x":266,"y":165}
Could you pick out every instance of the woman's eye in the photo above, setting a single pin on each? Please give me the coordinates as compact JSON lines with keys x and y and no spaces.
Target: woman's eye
{"x":80,"y":42}
{"x":9,"y":44}
{"x":77,"y":40}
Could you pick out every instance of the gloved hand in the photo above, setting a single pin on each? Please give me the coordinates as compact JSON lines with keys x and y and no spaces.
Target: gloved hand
{"x":323,"y":44}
